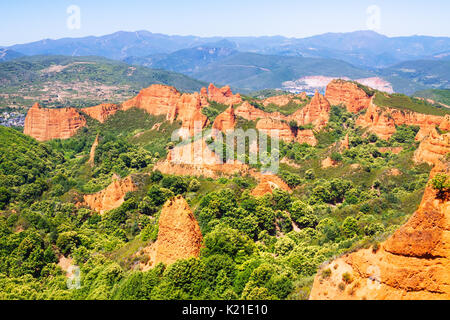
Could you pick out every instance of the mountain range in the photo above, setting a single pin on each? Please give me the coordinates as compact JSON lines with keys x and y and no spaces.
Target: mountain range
{"x":405,"y":64}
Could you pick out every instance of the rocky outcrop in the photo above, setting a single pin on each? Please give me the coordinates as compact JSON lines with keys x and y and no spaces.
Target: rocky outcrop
{"x":413,"y":264}
{"x":164,"y":100}
{"x":222,"y":95}
{"x":179,"y":235}
{"x":306,"y":136}
{"x":225,"y":121}
{"x":285,"y":99}
{"x":102,"y":111}
{"x":328,"y":163}
{"x":46,"y":124}
{"x":433,"y":148}
{"x":276,"y":128}
{"x":383,"y":121}
{"x":251,"y":113}
{"x":267,"y":184}
{"x":197,"y":159}
{"x":348,"y":94}
{"x":112,"y":197}
{"x":317,"y":112}
{"x":91,"y":160}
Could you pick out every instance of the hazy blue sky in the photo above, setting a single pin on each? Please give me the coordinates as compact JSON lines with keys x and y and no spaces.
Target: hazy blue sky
{"x":29,"y":20}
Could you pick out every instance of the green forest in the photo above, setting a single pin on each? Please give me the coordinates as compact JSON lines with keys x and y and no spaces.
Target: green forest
{"x":253,"y":248}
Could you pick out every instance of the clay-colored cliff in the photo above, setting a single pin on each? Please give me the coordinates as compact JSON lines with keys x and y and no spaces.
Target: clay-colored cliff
{"x":317,"y":112}
{"x":164,"y":100}
{"x":46,"y":124}
{"x":348,"y":94}
{"x":284,"y":99}
{"x":412,"y":264}
{"x":225,"y":121}
{"x":112,"y":197}
{"x":222,"y":95}
{"x":102,"y":111}
{"x":251,"y":113}
{"x":276,"y":128}
{"x":267,"y":184}
{"x":433,"y":148}
{"x":179,"y":235}
{"x":197,"y":159}
{"x":383,"y":121}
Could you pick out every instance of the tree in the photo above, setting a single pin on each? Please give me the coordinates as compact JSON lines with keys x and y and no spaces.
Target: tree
{"x":350,"y":227}
{"x":441,"y":184}
{"x":5,"y":197}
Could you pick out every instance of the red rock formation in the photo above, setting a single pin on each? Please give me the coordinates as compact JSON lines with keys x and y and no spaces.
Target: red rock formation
{"x":433,"y":148}
{"x":251,"y":113}
{"x":383,"y":121}
{"x":275,"y":128}
{"x":112,"y":197}
{"x":328,"y":163}
{"x":284,"y":99}
{"x":340,"y":92}
{"x":164,"y":100}
{"x":179,"y":235}
{"x":46,"y":124}
{"x":91,"y":160}
{"x":413,"y":264}
{"x":223,"y":95}
{"x":102,"y":111}
{"x":377,"y":122}
{"x":268,"y":183}
{"x":225,"y":121}
{"x":197,"y":159}
{"x":317,"y":112}
{"x":306,"y":136}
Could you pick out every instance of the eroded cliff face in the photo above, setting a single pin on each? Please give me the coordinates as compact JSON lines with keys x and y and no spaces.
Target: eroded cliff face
{"x":383,"y":121}
{"x":225,"y":121}
{"x":276,"y":128}
{"x":222,"y":95}
{"x":101,"y":112}
{"x":433,"y":148}
{"x":164,"y":100}
{"x":317,"y":112}
{"x":285,"y":99}
{"x":197,"y":159}
{"x":340,"y":92}
{"x":112,"y":197}
{"x":46,"y":124}
{"x":179,"y":235}
{"x":267,"y":184}
{"x":251,"y":113}
{"x":412,"y":264}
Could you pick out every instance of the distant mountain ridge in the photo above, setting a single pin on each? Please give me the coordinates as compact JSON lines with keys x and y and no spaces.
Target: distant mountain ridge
{"x":363,"y":48}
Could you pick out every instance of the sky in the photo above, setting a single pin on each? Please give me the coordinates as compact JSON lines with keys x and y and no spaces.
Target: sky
{"x":23,"y":21}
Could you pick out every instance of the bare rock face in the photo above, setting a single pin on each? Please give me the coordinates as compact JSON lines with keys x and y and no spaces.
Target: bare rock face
{"x":225,"y":121}
{"x":91,"y":160}
{"x":413,"y":264}
{"x":46,"y":124}
{"x":317,"y":112}
{"x":383,"y":121}
{"x":223,"y":95}
{"x":267,"y":184}
{"x":306,"y":136}
{"x":179,"y":235}
{"x":197,"y":159}
{"x":102,"y":111}
{"x":433,"y":148}
{"x":164,"y":100}
{"x":251,"y":113}
{"x":275,"y":128}
{"x":340,"y":92}
{"x":283,"y":100}
{"x":112,"y":197}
